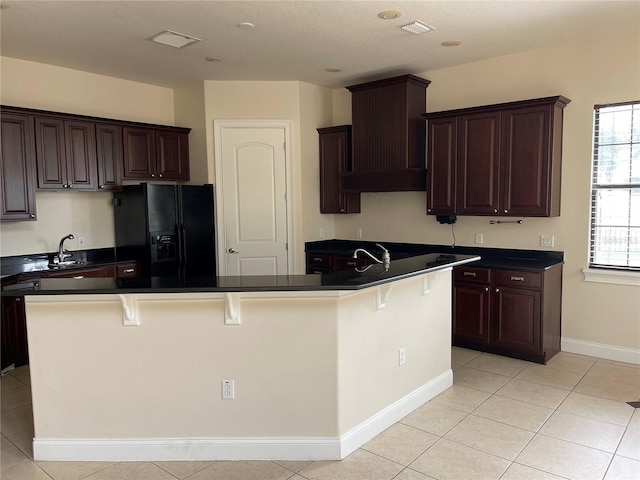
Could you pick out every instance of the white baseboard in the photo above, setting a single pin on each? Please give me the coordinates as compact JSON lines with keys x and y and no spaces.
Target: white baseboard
{"x":601,"y":350}
{"x":194,"y":449}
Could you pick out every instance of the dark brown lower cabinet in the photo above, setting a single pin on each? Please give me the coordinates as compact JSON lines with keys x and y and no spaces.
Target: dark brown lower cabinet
{"x":508,"y":312}
{"x":14,"y":332}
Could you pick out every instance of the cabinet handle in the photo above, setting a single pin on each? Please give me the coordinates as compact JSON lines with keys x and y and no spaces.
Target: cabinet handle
{"x":497,"y":290}
{"x":429,"y":210}
{"x":78,"y":277}
{"x":153,"y":175}
{"x":129,"y":270}
{"x":342,"y":210}
{"x":351,"y":263}
{"x":469,"y":274}
{"x":316,"y":259}
{"x":517,"y":279}
{"x":495,"y":210}
{"x":505,"y":210}
{"x":160,"y":175}
{"x":32,"y":215}
{"x":486,"y":289}
{"x":101,"y":186}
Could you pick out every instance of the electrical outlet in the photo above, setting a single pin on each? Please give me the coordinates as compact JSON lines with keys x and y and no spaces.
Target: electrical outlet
{"x":321,"y":233}
{"x":402,"y":356}
{"x":81,"y":242}
{"x":228,"y":390}
{"x":479,"y":238}
{"x":358,"y":233}
{"x":546,"y":240}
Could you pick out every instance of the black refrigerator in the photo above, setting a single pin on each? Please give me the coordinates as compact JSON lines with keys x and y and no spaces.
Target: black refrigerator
{"x":168,"y":228}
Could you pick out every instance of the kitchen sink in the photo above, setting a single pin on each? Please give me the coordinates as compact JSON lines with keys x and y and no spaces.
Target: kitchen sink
{"x":70,"y":263}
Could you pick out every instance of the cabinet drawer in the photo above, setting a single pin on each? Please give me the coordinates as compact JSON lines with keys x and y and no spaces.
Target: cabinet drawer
{"x":106,"y":271}
{"x":471,"y":274}
{"x":128,"y":270}
{"x":516,"y":278}
{"x":318,"y":260}
{"x":345,"y":263}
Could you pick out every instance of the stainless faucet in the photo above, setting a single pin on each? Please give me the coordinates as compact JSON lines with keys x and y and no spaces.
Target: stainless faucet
{"x":62,"y":253}
{"x":386,"y":258}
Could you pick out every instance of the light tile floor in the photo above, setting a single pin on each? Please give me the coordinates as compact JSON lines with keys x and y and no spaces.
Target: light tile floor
{"x":502,"y":419}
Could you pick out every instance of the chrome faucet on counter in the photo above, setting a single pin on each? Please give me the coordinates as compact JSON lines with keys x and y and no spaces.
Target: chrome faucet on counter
{"x":62,"y":253}
{"x":386,"y":258}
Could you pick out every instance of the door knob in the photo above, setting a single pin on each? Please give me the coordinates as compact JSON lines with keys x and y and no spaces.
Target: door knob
{"x":232,"y":250}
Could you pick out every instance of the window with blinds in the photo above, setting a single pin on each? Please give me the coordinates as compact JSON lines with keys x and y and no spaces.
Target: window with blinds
{"x":615,"y":190}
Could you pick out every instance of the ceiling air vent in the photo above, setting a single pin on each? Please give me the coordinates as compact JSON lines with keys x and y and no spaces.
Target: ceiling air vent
{"x":417,"y":27}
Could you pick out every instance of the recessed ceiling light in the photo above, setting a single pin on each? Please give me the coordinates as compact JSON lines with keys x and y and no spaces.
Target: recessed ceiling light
{"x":246,"y":25}
{"x":213,"y":59}
{"x":451,"y":43}
{"x":173,"y":39}
{"x":333,"y":70}
{"x":417,"y":27}
{"x":389,"y":14}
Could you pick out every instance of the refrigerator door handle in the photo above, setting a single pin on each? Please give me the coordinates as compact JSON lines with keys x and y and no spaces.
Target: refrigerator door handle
{"x":183,"y":247}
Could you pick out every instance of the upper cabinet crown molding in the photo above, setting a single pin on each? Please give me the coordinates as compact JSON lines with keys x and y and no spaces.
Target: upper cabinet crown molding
{"x":388,"y":135}
{"x":499,"y":160}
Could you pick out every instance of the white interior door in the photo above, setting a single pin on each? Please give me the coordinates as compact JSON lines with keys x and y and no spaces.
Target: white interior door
{"x":253,"y":188}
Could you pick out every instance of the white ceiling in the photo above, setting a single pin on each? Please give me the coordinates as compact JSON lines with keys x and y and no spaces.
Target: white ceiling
{"x":292,"y":40}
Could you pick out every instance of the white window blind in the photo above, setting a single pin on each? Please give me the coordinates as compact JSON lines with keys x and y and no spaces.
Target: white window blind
{"x":615,"y":191}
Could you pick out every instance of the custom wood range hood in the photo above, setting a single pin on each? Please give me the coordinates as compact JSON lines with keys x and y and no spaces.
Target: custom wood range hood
{"x":389,"y":136}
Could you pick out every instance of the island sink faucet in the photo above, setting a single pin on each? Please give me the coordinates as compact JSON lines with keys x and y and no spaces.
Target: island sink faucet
{"x":62,"y":253}
{"x":386,"y":258}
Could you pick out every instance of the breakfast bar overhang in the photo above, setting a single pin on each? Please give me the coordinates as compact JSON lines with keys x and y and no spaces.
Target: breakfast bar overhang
{"x":132,"y":369}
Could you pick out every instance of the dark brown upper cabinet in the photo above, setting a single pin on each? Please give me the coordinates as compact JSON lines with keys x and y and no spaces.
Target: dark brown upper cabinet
{"x":156,"y":154}
{"x":109,"y":156}
{"x":335,"y":159}
{"x":388,"y":135}
{"x":502,"y":159}
{"x":17,"y":167}
{"x":65,"y":154}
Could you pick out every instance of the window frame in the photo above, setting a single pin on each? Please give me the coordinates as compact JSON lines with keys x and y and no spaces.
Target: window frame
{"x":612,"y":272}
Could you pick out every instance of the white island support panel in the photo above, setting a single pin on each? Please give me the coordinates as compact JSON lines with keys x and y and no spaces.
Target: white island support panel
{"x":316,"y":374}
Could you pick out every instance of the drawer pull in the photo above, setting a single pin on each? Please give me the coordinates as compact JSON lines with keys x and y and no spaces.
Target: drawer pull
{"x":469,"y":274}
{"x":129,"y":270}
{"x":79,"y":277}
{"x":351,"y":263}
{"x":486,"y":289}
{"x":316,"y":259}
{"x":517,"y":279}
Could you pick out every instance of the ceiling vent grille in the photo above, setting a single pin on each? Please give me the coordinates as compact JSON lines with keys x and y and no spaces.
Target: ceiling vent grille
{"x":417,"y":27}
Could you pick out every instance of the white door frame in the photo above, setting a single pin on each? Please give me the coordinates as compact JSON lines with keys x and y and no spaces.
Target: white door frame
{"x":218,"y":127}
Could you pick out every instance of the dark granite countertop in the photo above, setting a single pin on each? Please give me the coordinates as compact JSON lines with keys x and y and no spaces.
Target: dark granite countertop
{"x":350,"y":279}
{"x":34,"y":263}
{"x":502,"y":258}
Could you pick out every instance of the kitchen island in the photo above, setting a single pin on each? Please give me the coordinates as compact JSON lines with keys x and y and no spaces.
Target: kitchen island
{"x":133,"y":369}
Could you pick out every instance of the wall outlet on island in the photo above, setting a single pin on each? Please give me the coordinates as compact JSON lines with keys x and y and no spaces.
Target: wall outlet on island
{"x":81,"y":242}
{"x":321,"y":233}
{"x":228,"y":390}
{"x":402,"y":356}
{"x":479,"y":238}
{"x":358,"y":233}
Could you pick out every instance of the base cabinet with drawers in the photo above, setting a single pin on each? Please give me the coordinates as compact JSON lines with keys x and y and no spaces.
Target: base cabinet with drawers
{"x":509,"y":312}
{"x":327,"y":262}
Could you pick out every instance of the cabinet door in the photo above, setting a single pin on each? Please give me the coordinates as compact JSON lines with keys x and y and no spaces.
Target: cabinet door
{"x":139,"y":152}
{"x":471,"y":312}
{"x":109,"y":156}
{"x":80,"y":144}
{"x":14,"y":332}
{"x":478,"y":163}
{"x":526,"y":161}
{"x":517,"y":319}
{"x":17,"y":167}
{"x":335,"y":158}
{"x":172,"y":149}
{"x":441,"y":166}
{"x":51,"y":153}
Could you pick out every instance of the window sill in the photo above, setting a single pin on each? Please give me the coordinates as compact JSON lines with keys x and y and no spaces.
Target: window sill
{"x":611,"y":276}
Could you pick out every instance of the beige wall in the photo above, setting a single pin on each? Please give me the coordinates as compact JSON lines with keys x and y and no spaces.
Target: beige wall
{"x":591,"y":72}
{"x":189,"y":105}
{"x":45,"y":87}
